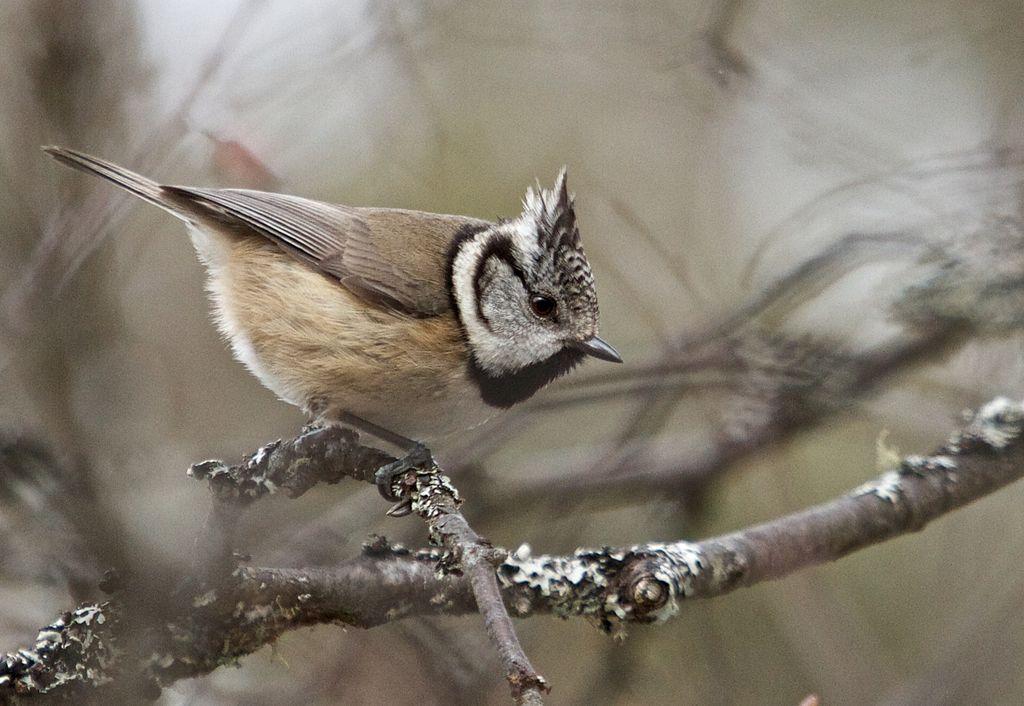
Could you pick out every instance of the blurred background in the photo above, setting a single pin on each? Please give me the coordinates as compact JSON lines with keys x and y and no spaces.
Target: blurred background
{"x":805,"y":223}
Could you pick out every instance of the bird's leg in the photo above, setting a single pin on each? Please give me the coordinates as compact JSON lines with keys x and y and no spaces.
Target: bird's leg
{"x":416,"y":456}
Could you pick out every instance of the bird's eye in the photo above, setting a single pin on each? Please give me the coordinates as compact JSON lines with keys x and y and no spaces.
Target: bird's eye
{"x":544,"y":307}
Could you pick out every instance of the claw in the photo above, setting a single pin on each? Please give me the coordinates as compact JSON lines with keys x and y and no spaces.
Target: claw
{"x":386,"y":475}
{"x":417,"y":457}
{"x":401,"y":508}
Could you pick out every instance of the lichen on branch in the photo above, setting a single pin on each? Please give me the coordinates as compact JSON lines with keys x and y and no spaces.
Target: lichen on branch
{"x":613,"y":587}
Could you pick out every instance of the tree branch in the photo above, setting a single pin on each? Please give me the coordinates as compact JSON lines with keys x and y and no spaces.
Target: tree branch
{"x":611,"y":587}
{"x":328,"y":454}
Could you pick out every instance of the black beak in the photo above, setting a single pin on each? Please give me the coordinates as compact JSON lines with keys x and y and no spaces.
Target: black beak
{"x":599,"y":349}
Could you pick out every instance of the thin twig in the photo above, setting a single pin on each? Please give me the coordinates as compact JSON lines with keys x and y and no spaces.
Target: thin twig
{"x":477,"y":558}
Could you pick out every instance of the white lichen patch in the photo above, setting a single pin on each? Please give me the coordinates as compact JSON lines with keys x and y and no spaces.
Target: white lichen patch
{"x":998,"y":423}
{"x":47,"y":634}
{"x":434,"y":498}
{"x":553,"y":575}
{"x":585,"y":583}
{"x":922,"y":465}
{"x":432,"y":489}
{"x":569,"y":585}
{"x":264,"y":451}
{"x":42,"y":668}
{"x":204,"y":599}
{"x":887,"y":487}
{"x":684,"y":563}
{"x":86,"y":614}
{"x":206,"y":469}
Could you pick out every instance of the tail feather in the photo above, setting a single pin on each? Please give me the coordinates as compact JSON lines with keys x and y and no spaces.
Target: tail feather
{"x":144,"y":188}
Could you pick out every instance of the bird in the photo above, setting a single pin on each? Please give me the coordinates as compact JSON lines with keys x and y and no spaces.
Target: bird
{"x":409,"y":325}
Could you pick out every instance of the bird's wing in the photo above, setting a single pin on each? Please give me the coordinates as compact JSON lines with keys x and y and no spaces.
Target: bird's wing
{"x":391,"y":258}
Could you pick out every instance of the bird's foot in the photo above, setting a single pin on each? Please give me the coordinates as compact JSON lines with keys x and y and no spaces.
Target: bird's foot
{"x":417,"y":458}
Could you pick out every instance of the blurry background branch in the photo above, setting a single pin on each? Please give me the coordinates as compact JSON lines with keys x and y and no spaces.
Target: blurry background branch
{"x":211,"y":626}
{"x":771,"y":384}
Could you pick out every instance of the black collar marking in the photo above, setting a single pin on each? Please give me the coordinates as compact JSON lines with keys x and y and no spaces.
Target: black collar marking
{"x":462,"y":236}
{"x":506,"y":390}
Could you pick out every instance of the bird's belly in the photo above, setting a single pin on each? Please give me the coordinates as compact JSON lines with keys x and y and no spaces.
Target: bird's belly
{"x":433,"y":411}
{"x":433,"y":418}
{"x":319,"y":347}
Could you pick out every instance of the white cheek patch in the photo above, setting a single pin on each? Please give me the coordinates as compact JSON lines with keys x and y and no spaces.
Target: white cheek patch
{"x":463,"y":274}
{"x":507,"y":351}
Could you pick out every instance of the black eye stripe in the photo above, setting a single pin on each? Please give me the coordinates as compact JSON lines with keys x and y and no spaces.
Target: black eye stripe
{"x":478,"y":293}
{"x":516,"y":269}
{"x":499,"y":247}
